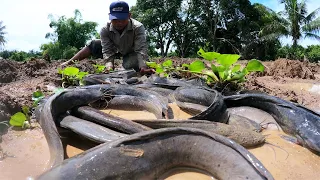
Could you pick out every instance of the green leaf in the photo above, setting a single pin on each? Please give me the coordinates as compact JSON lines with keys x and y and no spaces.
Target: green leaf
{"x":81,"y":74}
{"x":37,"y":94}
{"x":18,"y":119}
{"x":25,"y":109}
{"x":236,"y":68}
{"x":152,"y":64}
{"x":237,"y":76}
{"x":185,"y":65}
{"x":71,"y":71}
{"x":159,"y":70}
{"x":222,"y":72}
{"x":197,"y":66}
{"x":255,"y":65}
{"x":60,"y":71}
{"x":167,"y":63}
{"x":228,"y":59}
{"x":99,"y":68}
{"x":214,"y":68}
{"x":208,"y":55}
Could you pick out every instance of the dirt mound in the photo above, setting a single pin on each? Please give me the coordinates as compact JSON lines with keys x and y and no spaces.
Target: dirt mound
{"x":9,"y":71}
{"x":33,"y":67}
{"x":8,"y":107}
{"x":291,"y":69}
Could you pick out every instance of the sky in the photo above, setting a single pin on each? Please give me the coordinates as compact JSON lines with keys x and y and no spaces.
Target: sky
{"x":27,"y":22}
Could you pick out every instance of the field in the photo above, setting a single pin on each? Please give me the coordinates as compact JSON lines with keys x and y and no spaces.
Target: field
{"x":294,"y":81}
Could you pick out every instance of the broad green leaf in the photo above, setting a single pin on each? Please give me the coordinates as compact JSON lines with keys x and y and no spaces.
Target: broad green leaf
{"x":167,"y":63}
{"x":208,"y":55}
{"x":214,"y":68}
{"x":17,"y":119}
{"x":228,"y":59}
{"x":81,"y":74}
{"x":37,"y":94}
{"x":222,"y":72}
{"x":245,"y":71}
{"x":99,"y":68}
{"x":159,"y":70}
{"x":60,"y":71}
{"x":255,"y":65}
{"x":237,"y":76}
{"x":197,"y":66}
{"x":152,"y":64}
{"x":71,"y":71}
{"x":236,"y":68}
{"x":211,"y":74}
{"x":185,"y":65}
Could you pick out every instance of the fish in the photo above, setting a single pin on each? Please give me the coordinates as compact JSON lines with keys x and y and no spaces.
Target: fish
{"x":107,"y":120}
{"x":216,"y":111}
{"x":126,"y":102}
{"x":89,"y":130}
{"x":149,"y":154}
{"x":245,"y":137}
{"x":295,"y":120}
{"x":55,"y":106}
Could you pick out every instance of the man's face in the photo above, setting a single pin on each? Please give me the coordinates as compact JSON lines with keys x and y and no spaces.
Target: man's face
{"x":120,"y":24}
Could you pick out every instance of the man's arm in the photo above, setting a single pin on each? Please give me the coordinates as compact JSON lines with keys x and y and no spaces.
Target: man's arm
{"x":140,"y":46}
{"x":108,"y":48}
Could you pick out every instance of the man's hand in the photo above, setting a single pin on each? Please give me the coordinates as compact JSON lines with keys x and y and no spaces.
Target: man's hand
{"x":63,"y":65}
{"x":146,"y":70}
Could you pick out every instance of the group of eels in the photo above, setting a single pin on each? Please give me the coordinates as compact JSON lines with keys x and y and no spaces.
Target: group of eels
{"x":212,"y":140}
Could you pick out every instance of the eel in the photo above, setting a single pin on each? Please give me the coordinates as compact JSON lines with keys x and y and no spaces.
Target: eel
{"x":126,"y":102}
{"x":216,"y":111}
{"x":55,"y":106}
{"x":89,"y":130}
{"x":107,"y":120}
{"x":148,"y":155}
{"x":295,"y":120}
{"x":244,"y":137}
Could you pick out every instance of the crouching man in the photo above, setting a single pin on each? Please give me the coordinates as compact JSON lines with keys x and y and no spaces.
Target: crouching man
{"x":124,"y":36}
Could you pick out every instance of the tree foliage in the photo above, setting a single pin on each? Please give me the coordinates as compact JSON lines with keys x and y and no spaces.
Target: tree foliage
{"x":2,"y":33}
{"x":294,"y":22}
{"x":69,"y":36}
{"x":223,"y":26}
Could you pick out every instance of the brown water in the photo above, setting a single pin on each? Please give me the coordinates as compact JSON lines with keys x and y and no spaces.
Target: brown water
{"x":31,"y":151}
{"x":24,"y":154}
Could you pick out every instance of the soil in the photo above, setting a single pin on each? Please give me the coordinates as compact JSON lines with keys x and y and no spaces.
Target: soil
{"x":291,"y":80}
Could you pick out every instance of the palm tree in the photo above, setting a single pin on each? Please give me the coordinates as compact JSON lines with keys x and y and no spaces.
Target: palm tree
{"x":294,"y":22}
{"x":2,"y":33}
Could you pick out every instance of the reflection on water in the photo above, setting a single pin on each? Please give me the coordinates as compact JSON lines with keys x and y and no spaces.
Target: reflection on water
{"x":186,"y":174}
{"x":29,"y":147}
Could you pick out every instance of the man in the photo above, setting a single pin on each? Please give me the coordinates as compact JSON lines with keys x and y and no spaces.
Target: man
{"x":124,"y":35}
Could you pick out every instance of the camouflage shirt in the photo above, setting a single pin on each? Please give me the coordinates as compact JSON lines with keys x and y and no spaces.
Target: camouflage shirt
{"x":132,"y":39}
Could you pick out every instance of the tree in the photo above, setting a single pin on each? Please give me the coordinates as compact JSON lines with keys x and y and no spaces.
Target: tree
{"x":2,"y":33}
{"x":294,"y":22}
{"x":70,"y":34}
{"x":158,"y":18}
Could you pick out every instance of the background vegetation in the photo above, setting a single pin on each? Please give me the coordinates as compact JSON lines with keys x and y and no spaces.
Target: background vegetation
{"x":180,"y":27}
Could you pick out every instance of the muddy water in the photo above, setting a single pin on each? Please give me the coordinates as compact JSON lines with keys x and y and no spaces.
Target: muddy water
{"x":290,"y":161}
{"x":24,"y":154}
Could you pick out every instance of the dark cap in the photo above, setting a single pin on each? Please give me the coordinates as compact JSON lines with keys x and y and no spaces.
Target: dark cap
{"x":119,"y":10}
